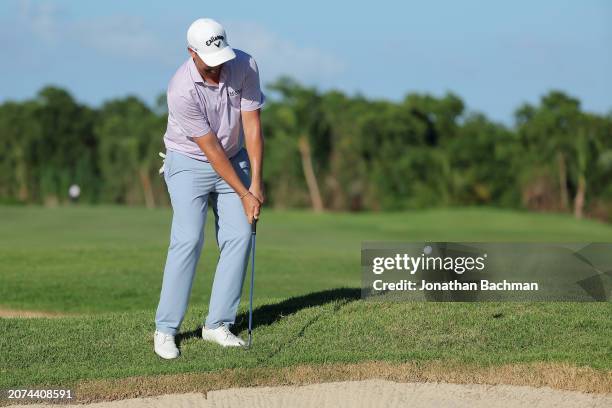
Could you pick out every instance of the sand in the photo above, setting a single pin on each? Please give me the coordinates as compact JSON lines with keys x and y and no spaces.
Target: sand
{"x":370,"y":393}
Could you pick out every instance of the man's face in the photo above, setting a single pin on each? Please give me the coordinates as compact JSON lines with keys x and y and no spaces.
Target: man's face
{"x":202,"y":67}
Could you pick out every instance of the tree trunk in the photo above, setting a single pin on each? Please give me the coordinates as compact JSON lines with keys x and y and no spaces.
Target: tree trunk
{"x":580,"y":196}
{"x":21,"y":174}
{"x":563,"y":181}
{"x":311,"y":180}
{"x":23,"y":193}
{"x":145,"y":180}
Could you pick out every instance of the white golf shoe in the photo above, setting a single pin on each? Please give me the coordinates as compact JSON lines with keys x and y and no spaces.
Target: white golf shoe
{"x":223,"y":336}
{"x":164,"y":345}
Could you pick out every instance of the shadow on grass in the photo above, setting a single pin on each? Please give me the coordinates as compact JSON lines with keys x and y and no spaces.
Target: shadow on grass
{"x":269,"y":314}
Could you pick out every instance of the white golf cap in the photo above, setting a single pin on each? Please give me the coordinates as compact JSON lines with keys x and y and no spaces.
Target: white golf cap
{"x":207,"y":38}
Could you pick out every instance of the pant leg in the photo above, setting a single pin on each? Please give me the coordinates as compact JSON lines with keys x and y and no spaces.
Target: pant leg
{"x":189,"y":182}
{"x":234,"y":240}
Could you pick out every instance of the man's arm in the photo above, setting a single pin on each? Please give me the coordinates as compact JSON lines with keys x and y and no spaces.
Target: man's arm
{"x":215,"y":154}
{"x":251,"y":123}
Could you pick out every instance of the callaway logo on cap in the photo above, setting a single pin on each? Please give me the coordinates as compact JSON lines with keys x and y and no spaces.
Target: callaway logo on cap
{"x":207,"y":38}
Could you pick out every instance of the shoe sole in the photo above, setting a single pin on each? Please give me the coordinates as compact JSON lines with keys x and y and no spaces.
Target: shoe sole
{"x":165,"y":357}
{"x":222,"y":345}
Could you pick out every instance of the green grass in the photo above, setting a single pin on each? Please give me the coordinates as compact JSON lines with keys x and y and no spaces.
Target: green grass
{"x":107,"y":262}
{"x":103,"y":259}
{"x":340,"y":329}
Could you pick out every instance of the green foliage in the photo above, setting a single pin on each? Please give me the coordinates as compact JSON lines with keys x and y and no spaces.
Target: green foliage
{"x":130,"y":137}
{"x":484,"y":158}
{"x":365,"y":154}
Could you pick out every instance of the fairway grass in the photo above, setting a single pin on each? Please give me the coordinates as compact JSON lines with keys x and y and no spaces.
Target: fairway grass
{"x":106,"y":259}
{"x":103,"y":266}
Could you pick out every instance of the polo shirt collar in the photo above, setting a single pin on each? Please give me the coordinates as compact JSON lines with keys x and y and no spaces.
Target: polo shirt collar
{"x":193,"y":70}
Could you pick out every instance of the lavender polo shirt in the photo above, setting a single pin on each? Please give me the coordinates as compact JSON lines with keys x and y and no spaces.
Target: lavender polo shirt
{"x":196,"y":107}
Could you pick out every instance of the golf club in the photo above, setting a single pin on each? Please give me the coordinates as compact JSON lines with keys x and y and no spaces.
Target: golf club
{"x":253,"y":235}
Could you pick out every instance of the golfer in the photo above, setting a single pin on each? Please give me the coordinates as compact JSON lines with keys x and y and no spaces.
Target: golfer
{"x":214,"y":102}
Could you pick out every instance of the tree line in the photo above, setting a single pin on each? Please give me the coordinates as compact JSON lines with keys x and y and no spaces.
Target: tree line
{"x":325,"y":151}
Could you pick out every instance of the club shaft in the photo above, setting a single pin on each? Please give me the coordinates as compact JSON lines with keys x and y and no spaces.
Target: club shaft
{"x":253,"y":235}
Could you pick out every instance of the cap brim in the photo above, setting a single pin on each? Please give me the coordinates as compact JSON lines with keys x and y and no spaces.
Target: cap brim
{"x":218,"y":58}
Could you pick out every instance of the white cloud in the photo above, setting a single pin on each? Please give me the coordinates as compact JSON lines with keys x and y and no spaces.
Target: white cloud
{"x":135,"y":39}
{"x":278,"y":56}
{"x":123,"y":36}
{"x":42,"y":20}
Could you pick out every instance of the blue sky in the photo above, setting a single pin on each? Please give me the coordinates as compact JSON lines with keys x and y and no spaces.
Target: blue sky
{"x":495,"y":55}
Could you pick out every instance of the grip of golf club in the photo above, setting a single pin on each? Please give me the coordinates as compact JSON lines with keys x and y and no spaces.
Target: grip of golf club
{"x":254,"y":226}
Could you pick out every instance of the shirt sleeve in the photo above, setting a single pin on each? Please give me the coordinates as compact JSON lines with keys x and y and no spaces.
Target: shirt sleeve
{"x":252,"y":97}
{"x":187,"y":115}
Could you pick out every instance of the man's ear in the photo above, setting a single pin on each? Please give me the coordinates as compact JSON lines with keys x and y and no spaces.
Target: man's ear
{"x":192,"y":52}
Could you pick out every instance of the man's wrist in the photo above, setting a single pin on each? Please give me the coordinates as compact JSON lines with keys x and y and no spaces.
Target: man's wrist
{"x":244,"y":194}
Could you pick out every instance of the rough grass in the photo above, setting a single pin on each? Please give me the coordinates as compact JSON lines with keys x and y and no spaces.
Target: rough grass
{"x":322,"y":328}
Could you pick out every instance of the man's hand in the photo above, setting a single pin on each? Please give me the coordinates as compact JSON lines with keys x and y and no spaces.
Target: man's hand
{"x":219,"y":161}
{"x":251,"y":207}
{"x":257,"y":189}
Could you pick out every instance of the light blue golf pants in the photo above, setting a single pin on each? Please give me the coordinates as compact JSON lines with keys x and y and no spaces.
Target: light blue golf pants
{"x":190,"y":184}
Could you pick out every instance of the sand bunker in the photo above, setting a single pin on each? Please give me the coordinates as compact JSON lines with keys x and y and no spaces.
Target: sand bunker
{"x":370,"y":393}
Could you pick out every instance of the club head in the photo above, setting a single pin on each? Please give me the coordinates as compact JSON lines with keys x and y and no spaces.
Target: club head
{"x":249,"y":341}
